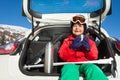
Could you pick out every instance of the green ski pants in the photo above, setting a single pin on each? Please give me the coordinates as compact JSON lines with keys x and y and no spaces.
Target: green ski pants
{"x":91,"y":72}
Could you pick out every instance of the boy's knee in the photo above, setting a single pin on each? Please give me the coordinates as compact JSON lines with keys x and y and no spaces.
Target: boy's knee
{"x":88,"y":66}
{"x":93,"y":72}
{"x":70,"y":67}
{"x":70,"y":71}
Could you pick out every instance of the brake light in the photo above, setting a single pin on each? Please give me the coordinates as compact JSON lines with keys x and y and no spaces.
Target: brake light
{"x":11,"y":47}
{"x":117,"y":44}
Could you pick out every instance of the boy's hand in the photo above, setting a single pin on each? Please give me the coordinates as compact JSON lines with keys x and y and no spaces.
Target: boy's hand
{"x":86,"y":44}
{"x":76,"y":43}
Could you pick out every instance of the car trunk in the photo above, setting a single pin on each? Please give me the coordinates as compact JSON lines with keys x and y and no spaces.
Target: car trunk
{"x":33,"y":46}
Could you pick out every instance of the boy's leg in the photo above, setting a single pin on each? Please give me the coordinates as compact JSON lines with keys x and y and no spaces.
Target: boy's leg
{"x":69,"y":72}
{"x":92,"y":72}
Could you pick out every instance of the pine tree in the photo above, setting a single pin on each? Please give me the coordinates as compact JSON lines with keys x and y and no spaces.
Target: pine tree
{"x":3,"y":38}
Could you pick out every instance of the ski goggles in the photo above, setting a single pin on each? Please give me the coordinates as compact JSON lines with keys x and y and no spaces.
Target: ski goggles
{"x":78,"y":19}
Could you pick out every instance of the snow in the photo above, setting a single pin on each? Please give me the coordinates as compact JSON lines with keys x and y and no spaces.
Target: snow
{"x":13,"y":29}
{"x":12,"y":32}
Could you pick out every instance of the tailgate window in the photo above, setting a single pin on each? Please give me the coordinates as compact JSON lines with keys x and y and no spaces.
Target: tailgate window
{"x":65,"y":6}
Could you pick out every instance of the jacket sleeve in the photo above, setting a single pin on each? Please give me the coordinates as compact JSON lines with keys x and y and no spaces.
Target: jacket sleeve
{"x":65,"y":52}
{"x":93,"y":53}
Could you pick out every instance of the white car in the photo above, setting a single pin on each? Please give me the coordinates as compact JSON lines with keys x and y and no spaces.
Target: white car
{"x":36,"y":57}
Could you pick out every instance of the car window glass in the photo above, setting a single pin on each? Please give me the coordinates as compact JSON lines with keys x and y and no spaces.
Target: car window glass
{"x":65,"y":6}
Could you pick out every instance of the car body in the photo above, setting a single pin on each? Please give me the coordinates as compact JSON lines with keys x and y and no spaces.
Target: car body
{"x":49,"y":28}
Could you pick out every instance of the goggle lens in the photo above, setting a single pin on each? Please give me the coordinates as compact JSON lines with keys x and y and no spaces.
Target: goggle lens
{"x":79,"y":19}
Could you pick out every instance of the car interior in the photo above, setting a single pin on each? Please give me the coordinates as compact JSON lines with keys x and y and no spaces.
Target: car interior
{"x":36,"y":48}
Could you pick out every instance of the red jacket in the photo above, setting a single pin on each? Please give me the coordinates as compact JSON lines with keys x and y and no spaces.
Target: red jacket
{"x":69,"y":55}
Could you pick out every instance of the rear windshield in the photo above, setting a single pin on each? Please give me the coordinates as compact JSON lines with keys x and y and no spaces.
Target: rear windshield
{"x":65,"y":6}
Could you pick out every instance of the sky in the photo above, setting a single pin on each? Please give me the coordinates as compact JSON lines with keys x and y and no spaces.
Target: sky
{"x":11,"y":14}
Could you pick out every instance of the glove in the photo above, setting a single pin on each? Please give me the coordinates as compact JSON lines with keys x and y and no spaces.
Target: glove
{"x":76,"y":43}
{"x":86,"y":44}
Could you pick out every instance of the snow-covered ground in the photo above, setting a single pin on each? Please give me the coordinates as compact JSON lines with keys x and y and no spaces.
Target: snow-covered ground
{"x":13,"y":29}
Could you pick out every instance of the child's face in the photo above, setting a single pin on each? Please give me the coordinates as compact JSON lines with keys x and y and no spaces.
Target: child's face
{"x":78,"y":29}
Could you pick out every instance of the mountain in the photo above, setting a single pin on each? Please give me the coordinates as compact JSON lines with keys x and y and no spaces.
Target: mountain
{"x":9,"y":33}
